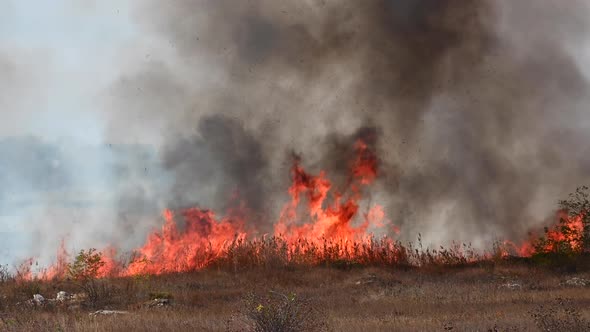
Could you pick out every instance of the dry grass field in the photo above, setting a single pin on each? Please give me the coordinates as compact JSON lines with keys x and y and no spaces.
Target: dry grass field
{"x":484,"y":297}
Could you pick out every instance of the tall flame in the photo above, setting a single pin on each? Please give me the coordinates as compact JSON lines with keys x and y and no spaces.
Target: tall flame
{"x":335,"y":220}
{"x":205,"y":237}
{"x":318,"y":220}
{"x":172,"y":250}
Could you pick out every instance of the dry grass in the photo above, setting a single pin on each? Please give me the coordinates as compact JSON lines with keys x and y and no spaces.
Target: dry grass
{"x":358,"y":299}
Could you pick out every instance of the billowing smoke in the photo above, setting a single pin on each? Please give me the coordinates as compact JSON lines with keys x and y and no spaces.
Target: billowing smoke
{"x":479,"y":105}
{"x":476,"y":108}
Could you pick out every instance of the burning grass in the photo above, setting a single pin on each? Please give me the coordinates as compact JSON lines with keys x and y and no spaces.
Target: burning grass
{"x":172,"y":251}
{"x":320,"y":226}
{"x":322,"y":249}
{"x":275,"y":252}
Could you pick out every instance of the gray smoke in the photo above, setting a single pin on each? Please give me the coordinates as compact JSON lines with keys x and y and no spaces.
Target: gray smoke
{"x":478,"y":105}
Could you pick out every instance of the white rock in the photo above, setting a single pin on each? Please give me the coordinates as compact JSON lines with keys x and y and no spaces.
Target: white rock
{"x":369,"y":279}
{"x":511,"y":285}
{"x":577,"y":282}
{"x":161,"y":302}
{"x":108,"y":313}
{"x":62,"y":296}
{"x":38,"y":299}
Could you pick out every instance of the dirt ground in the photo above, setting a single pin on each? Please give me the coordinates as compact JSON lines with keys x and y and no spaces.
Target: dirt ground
{"x":481,"y":298}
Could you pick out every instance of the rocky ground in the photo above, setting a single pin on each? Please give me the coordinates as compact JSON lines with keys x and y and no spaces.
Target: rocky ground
{"x":481,"y":298}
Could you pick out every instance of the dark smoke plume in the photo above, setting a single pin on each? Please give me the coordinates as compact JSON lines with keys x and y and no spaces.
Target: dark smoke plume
{"x":477,"y":105}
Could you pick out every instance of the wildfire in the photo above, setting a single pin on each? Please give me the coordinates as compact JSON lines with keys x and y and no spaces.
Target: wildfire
{"x":320,"y":223}
{"x":203,"y":239}
{"x":567,"y":233}
{"x":333,"y":221}
{"x":326,"y":227}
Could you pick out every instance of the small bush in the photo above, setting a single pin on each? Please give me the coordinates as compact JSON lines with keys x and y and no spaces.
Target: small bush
{"x":160,"y":295}
{"x":564,"y":245}
{"x":277,"y":312}
{"x":86,"y":265}
{"x":578,"y":205}
{"x":84,"y":272}
{"x":29,"y":289}
{"x":574,"y":225}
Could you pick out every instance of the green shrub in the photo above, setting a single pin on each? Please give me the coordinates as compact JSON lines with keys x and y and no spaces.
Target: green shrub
{"x":84,"y":272}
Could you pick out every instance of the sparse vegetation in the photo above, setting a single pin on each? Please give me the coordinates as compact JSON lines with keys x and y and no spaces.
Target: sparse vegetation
{"x":278,"y":312}
{"x":578,"y":205}
{"x":560,"y":315}
{"x":372,"y":285}
{"x":84,"y":272}
{"x":567,"y":244}
{"x":470,"y":298}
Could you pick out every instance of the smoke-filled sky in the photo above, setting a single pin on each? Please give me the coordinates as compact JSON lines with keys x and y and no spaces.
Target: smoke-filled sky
{"x":112,"y":110}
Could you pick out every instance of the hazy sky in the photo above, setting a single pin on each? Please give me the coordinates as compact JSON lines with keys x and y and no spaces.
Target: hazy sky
{"x":58,"y":55}
{"x":58,"y":59}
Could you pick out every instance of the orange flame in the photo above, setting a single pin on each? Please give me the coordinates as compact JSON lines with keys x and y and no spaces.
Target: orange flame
{"x":172,"y":250}
{"x":570,"y":232}
{"x":318,"y":221}
{"x":325,"y":220}
{"x":204,"y":238}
